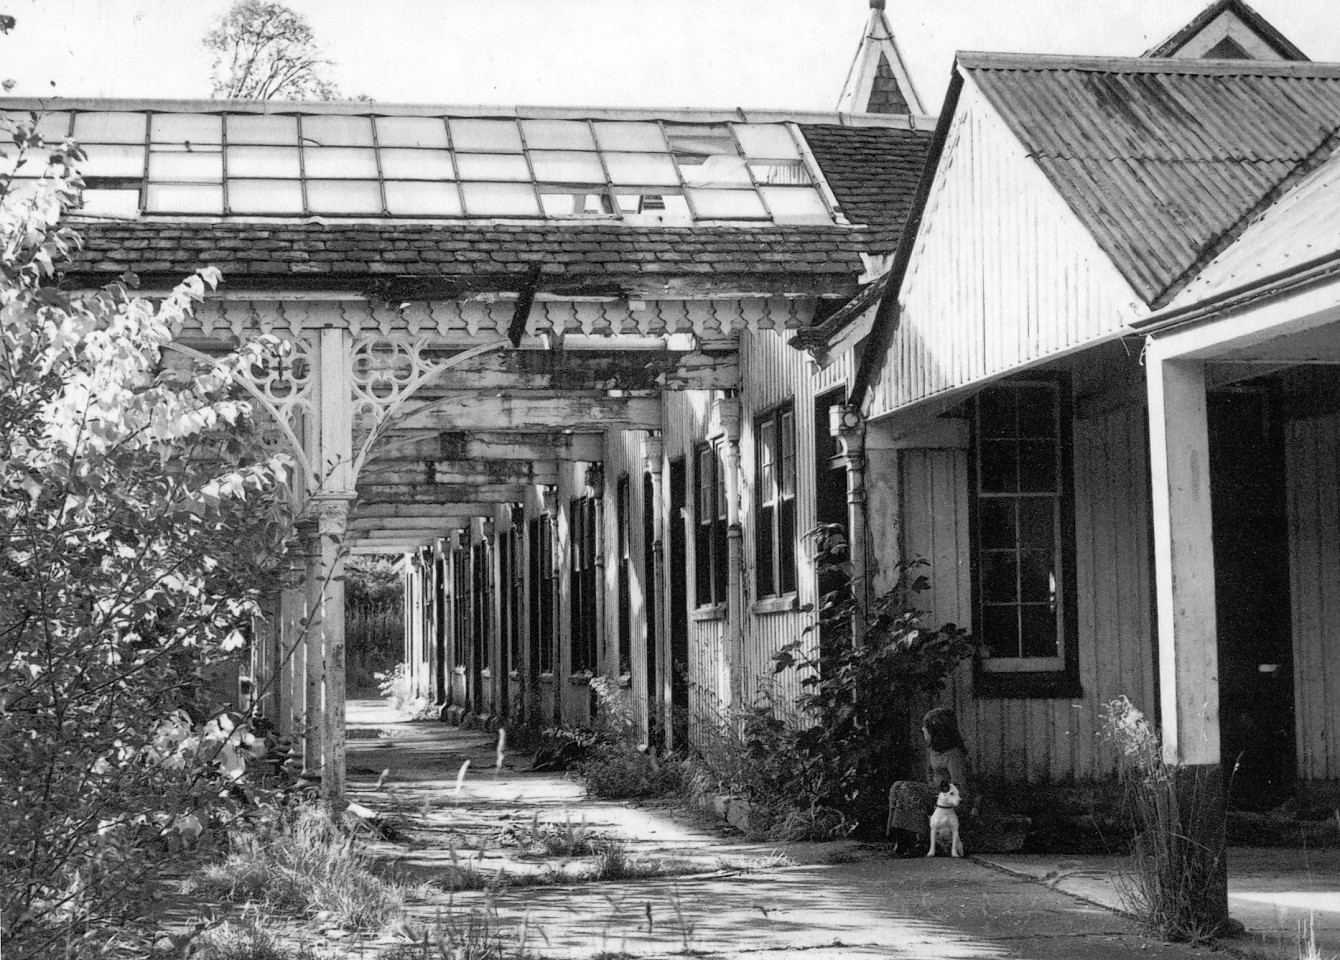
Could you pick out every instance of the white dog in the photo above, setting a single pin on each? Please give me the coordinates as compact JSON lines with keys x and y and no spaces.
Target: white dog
{"x":944,"y":821}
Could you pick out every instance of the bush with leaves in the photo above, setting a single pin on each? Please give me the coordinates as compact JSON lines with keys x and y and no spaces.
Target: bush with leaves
{"x":824,"y":767}
{"x":138,"y":526}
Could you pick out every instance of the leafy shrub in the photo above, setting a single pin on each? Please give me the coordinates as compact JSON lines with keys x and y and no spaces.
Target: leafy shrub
{"x":823,"y":767}
{"x":140,"y":523}
{"x":617,"y":770}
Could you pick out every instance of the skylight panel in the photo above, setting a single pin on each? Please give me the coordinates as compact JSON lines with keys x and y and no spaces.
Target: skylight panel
{"x":500,"y":200}
{"x":52,"y":126}
{"x":492,"y":166}
{"x":120,"y":204}
{"x":727,"y":205}
{"x":344,"y":196}
{"x":261,"y":197}
{"x":411,"y":132}
{"x":110,"y":127}
{"x":766,"y":141}
{"x":336,"y":131}
{"x":185,"y":128}
{"x":417,"y":164}
{"x":499,"y":136}
{"x":566,"y":166}
{"x":419,"y":198}
{"x":558,"y":135}
{"x":339,"y":163}
{"x":250,"y":128}
{"x":634,"y":137}
{"x":249,"y":161}
{"x":112,"y":160}
{"x":184,"y":198}
{"x":405,"y":166}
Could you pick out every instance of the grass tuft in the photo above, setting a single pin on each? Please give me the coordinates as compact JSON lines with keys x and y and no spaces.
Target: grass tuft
{"x":247,"y":938}
{"x":305,"y":863}
{"x":472,"y":935}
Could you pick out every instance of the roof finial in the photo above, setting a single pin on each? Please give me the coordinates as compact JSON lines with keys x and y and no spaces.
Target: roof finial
{"x":876,"y":4}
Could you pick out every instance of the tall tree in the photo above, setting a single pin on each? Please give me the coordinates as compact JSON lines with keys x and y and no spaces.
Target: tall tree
{"x":264,"y":51}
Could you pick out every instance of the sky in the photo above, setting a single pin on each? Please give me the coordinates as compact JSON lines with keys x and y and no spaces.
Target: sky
{"x":766,"y":54}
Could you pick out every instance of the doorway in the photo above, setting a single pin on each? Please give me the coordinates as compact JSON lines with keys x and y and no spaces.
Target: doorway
{"x":1251,"y":583}
{"x":678,"y":575}
{"x":830,"y":486}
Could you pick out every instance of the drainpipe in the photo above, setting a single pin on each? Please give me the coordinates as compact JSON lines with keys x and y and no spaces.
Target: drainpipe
{"x":848,"y":426}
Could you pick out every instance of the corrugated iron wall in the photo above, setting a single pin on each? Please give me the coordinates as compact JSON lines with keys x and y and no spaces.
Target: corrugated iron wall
{"x":1001,"y":275}
{"x":1051,"y":740}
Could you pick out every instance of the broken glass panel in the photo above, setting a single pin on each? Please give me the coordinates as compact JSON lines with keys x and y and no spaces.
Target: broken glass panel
{"x":263,"y":162}
{"x":411,"y":132}
{"x":780,"y":172}
{"x":642,"y":168}
{"x":193,"y":167}
{"x":421,"y":198}
{"x":497,"y":135}
{"x":185,"y":127}
{"x":181,"y":198}
{"x":264,"y":196}
{"x":417,"y":164}
{"x":110,"y":127}
{"x":654,"y":207}
{"x":344,"y":196}
{"x":121,"y":204}
{"x":557,"y":135}
{"x":247,"y":128}
{"x":567,"y":166}
{"x":795,"y":203}
{"x":112,"y":160}
{"x":339,"y":162}
{"x":333,"y":131}
{"x":713,"y":171}
{"x":500,"y":200}
{"x":580,"y":203}
{"x":726,"y":204}
{"x":766,"y":140}
{"x":633,"y":137}
{"x":492,"y":166}
{"x":700,"y":140}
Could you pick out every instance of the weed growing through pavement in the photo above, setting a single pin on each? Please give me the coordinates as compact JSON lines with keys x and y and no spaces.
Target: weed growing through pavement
{"x":1175,"y":873}
{"x":465,"y":935}
{"x":247,"y":938}
{"x":305,"y":863}
{"x":566,"y":839}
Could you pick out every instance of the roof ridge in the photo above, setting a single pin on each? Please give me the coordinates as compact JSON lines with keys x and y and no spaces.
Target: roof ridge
{"x":1143,"y":158}
{"x":983,"y":60}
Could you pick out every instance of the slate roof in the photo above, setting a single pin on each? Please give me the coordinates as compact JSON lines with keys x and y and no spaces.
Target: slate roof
{"x":1165,"y":162}
{"x":873,"y":172}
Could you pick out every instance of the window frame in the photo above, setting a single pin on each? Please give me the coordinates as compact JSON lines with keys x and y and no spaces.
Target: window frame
{"x":585,"y":627}
{"x":775,"y":555}
{"x":1040,"y":678}
{"x":710,"y":534}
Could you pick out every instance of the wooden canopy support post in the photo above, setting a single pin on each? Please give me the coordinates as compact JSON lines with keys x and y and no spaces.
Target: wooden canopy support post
{"x":1184,"y":575}
{"x":653,"y":453}
{"x":850,"y":432}
{"x":728,"y":416}
{"x":313,"y":672}
{"x":595,"y":488}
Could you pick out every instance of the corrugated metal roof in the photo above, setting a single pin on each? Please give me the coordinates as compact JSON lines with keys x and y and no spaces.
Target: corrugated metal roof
{"x":1164,"y":161}
{"x":1298,"y":229}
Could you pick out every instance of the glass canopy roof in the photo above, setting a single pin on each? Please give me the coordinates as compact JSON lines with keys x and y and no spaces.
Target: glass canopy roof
{"x":339,"y":165}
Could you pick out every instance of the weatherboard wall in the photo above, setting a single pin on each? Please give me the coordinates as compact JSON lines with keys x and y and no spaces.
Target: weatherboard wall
{"x":1001,"y":273}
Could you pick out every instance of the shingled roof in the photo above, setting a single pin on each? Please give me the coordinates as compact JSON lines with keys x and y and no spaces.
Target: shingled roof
{"x":1164,"y":161}
{"x":873,"y":172}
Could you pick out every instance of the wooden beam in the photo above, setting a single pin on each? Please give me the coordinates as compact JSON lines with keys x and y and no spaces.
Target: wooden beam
{"x":379,"y":524}
{"x":531,"y":413}
{"x":420,"y":512}
{"x":491,"y":445}
{"x":414,"y":493}
{"x":591,"y":370}
{"x":484,"y":472}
